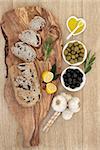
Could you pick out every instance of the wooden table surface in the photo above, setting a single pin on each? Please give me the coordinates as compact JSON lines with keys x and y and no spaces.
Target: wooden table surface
{"x":82,"y":132}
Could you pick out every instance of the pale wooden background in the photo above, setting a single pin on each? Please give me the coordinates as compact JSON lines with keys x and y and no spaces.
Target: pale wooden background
{"x":83,"y":131}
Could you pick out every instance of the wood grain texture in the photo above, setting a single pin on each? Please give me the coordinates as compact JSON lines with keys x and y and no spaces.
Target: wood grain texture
{"x":14,"y":22}
{"x":83,"y":131}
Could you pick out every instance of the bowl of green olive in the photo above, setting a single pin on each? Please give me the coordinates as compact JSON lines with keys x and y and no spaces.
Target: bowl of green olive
{"x":74,"y":53}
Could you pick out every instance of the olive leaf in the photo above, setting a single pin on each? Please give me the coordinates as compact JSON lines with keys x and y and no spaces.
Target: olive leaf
{"x":48,"y":44}
{"x":89,"y":62}
{"x":53,"y":70}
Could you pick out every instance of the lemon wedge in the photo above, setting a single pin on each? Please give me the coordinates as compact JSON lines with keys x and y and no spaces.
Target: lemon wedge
{"x":47,"y":76}
{"x":51,"y":88}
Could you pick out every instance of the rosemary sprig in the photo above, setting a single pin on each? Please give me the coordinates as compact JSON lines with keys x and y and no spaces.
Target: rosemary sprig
{"x":53,"y":70}
{"x":89,"y":62}
{"x":47,"y":47}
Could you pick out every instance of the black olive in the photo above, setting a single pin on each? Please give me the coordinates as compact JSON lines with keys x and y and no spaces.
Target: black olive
{"x":22,"y":65}
{"x":32,"y":75}
{"x":39,"y":96}
{"x":79,"y":79}
{"x":74,"y":81}
{"x":77,"y":71}
{"x":75,"y":75}
{"x":80,"y":74}
{"x":77,"y":84}
{"x":72,"y":71}
{"x":68,"y":70}
{"x":65,"y":80}
{"x":28,"y":87}
{"x":66,"y":84}
{"x":68,"y":75}
{"x":28,"y":101}
{"x":23,"y":70}
{"x":64,"y":76}
{"x":70,"y":80}
{"x":72,"y":86}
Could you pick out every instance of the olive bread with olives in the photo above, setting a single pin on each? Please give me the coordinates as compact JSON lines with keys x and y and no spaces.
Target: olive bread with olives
{"x":37,"y":23}
{"x":30,"y":37}
{"x":23,"y":52}
{"x":25,"y":83}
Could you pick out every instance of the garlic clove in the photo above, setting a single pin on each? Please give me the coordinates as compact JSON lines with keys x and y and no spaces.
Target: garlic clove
{"x":77,"y":110}
{"x":59,"y":103}
{"x":67,"y":114}
{"x":74,"y":109}
{"x":76,"y":99}
{"x":74,"y":105}
{"x":66,"y":96}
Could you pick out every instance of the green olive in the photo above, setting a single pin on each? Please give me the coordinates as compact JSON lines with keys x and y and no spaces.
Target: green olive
{"x":72,"y":48}
{"x":80,"y":59}
{"x":65,"y":52}
{"x":72,"y":52}
{"x":68,"y":49}
{"x":73,"y":56}
{"x":76,"y":48}
{"x":70,"y":45}
{"x":76,"y":43}
{"x":68,"y":58}
{"x":72,"y":61}
{"x":76,"y":55}
{"x":78,"y":51}
{"x":82,"y":50}
{"x":80,"y":46}
{"x":69,"y":54}
{"x":75,"y":60}
{"x":81,"y":54}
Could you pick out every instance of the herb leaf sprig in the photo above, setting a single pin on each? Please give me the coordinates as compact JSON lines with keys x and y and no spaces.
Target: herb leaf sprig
{"x":48,"y":44}
{"x":54,"y":70}
{"x":89,"y":62}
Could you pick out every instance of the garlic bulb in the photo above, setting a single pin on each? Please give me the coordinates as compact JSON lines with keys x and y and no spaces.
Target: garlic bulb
{"x":59,"y":103}
{"x":66,"y":96}
{"x":74,"y":104}
{"x":67,"y":114}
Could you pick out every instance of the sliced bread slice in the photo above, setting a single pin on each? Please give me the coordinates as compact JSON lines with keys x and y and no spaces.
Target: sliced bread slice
{"x":30,"y":37}
{"x":23,"y":52}
{"x":37,"y":23}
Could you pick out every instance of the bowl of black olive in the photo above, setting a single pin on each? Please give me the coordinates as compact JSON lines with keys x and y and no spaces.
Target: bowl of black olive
{"x":74,"y":53}
{"x":73,"y":78}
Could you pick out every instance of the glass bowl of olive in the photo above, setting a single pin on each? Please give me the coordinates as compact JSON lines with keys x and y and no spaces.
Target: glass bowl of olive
{"x":74,"y":53}
{"x":73,"y":78}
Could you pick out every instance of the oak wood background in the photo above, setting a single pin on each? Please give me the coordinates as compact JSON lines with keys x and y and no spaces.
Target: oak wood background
{"x":82,"y":132}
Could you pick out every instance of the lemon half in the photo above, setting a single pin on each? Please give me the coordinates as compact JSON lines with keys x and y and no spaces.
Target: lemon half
{"x":51,"y":88}
{"x":47,"y":76}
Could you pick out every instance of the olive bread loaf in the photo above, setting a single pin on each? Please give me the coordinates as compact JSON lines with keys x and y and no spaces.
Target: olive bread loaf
{"x":25,"y":83}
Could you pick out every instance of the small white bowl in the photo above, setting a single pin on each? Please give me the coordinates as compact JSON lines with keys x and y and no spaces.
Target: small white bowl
{"x":78,"y":63}
{"x":77,"y":88}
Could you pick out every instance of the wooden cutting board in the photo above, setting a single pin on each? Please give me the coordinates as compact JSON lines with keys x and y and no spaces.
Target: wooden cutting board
{"x":14,"y":22}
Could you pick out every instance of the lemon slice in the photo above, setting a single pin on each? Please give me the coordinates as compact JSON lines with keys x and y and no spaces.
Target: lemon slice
{"x":47,"y":76}
{"x":51,"y":88}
